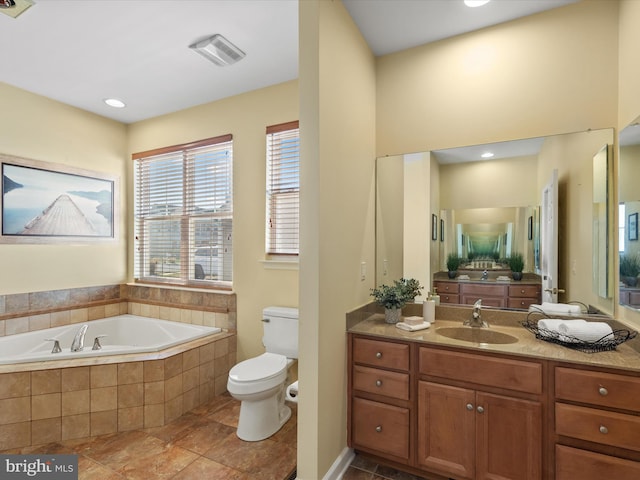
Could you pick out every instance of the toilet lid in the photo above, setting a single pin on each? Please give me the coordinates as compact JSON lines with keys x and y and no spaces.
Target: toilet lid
{"x":258,"y":368}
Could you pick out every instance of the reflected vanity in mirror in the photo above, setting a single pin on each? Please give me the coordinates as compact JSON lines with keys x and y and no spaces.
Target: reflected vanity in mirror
{"x":628,"y":209}
{"x":494,"y":205}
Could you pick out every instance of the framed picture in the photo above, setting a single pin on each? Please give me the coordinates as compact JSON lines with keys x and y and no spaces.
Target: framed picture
{"x":49,"y":203}
{"x":530,"y":228}
{"x":434,"y":227}
{"x":441,"y":230}
{"x":633,"y":226}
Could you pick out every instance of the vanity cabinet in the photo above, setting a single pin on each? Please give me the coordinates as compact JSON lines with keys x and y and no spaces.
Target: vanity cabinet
{"x":597,"y":424}
{"x":521,"y":296}
{"x":493,"y":430}
{"x":449,"y":292}
{"x":493,"y":294}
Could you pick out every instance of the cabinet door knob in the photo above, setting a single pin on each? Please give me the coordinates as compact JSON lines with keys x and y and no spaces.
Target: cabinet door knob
{"x":522,"y":291}
{"x":378,"y":354}
{"x":603,"y":429}
{"x":480,"y":410}
{"x":378,"y":383}
{"x":603,"y":391}
{"x":379,"y":428}
{"x":469,"y":406}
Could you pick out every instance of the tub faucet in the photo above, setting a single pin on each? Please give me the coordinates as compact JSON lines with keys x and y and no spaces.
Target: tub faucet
{"x":78,"y":340}
{"x":476,"y":316}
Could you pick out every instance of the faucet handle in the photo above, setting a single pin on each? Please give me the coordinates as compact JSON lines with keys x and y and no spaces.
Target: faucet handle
{"x":56,"y":345}
{"x":96,"y":342}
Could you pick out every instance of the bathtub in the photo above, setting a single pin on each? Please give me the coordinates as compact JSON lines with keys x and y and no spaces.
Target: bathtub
{"x":123,"y":334}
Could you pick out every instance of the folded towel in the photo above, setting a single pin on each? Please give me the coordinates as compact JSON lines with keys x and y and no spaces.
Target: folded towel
{"x":412,"y":328}
{"x":415,"y":320}
{"x":556,"y":308}
{"x":550,"y":327}
{"x":585,"y":331}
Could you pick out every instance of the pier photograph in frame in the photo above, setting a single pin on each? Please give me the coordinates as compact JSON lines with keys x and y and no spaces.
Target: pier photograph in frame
{"x":51,"y":202}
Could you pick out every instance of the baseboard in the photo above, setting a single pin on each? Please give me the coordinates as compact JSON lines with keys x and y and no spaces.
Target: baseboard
{"x":340,"y":465}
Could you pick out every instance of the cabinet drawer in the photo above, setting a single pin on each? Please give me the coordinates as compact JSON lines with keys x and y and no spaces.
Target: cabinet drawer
{"x":605,"y":389}
{"x":447,"y":287}
{"x":496,"y":372}
{"x":573,"y":463}
{"x":446,"y":298}
{"x":521,"y":302}
{"x":381,"y":354}
{"x":593,"y":425}
{"x":381,"y":382}
{"x":524,"y":291}
{"x":484,"y":290}
{"x":381,"y":427}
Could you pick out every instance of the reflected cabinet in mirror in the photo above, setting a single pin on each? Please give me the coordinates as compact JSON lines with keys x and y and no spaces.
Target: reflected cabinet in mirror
{"x":433,"y":205}
{"x":628,"y":209}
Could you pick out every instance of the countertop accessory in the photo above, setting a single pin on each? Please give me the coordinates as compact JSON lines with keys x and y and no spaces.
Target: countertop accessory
{"x":412,"y":328}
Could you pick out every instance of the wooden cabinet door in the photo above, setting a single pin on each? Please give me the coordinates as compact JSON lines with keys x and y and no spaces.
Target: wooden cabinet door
{"x":446,"y":429}
{"x":508,"y":438}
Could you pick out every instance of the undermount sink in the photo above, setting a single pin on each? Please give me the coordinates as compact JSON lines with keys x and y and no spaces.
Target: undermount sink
{"x":476,"y":335}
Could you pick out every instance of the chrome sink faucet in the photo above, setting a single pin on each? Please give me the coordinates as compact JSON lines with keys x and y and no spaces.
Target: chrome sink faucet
{"x":78,"y":340}
{"x":476,"y":316}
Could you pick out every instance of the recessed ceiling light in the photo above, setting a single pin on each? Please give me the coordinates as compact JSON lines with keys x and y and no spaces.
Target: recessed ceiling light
{"x":475,"y":3}
{"x":487,"y":155}
{"x":114,"y":102}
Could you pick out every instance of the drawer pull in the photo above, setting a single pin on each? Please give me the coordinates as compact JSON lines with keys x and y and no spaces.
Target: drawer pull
{"x":469,"y":406}
{"x":522,"y":291}
{"x":379,"y":428}
{"x":604,"y":429}
{"x":480,"y":410}
{"x":378,"y":383}
{"x":603,"y":391}
{"x":378,"y":354}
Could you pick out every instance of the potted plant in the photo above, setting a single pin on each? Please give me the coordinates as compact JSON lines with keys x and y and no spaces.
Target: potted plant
{"x":453,"y":262}
{"x":394,"y":297}
{"x":516,"y":264}
{"x":629,"y":269}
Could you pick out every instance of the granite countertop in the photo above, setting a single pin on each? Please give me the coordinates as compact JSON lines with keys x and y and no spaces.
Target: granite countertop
{"x":626,"y":356}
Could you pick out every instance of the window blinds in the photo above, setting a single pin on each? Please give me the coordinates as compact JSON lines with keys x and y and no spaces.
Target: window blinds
{"x":283,"y":189}
{"x":184,"y":212}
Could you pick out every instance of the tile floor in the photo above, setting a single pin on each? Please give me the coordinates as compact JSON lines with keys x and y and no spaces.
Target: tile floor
{"x":201,"y":444}
{"x":364,"y":469}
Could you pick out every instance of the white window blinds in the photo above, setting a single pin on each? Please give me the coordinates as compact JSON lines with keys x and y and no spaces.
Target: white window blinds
{"x":283,"y":189}
{"x":184,"y":213}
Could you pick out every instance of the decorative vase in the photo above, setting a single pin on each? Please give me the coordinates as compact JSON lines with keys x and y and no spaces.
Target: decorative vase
{"x":452,"y":273}
{"x":392,"y":315}
{"x":517,"y":275}
{"x":631,"y":281}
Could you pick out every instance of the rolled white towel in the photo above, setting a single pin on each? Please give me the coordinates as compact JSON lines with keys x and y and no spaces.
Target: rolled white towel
{"x":585,"y":331}
{"x":560,"y":308}
{"x":548,"y":327}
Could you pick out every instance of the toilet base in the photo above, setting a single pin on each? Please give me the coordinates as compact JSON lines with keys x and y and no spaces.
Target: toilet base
{"x":259,"y":419}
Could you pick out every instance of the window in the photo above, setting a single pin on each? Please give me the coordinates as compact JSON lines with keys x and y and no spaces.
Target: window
{"x":283,"y":189}
{"x":184,"y":213}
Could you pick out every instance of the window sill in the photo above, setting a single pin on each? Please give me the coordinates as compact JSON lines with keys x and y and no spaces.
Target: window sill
{"x":279,"y":264}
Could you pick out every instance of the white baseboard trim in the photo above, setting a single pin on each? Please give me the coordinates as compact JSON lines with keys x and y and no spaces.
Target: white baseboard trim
{"x":340,"y":465}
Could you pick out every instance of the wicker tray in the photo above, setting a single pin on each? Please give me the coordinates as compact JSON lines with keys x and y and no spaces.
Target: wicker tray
{"x":607,"y":343}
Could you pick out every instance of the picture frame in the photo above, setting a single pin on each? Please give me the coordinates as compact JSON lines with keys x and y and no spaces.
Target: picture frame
{"x":441,"y":230}
{"x":434,"y":227}
{"x":43,"y":202}
{"x":632,"y":226}
{"x":530,"y":227}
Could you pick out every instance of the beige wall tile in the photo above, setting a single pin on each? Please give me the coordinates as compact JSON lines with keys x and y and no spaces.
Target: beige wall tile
{"x":15,"y":385}
{"x":173,"y":366}
{"x":104,"y":422}
{"x":209,"y":319}
{"x":207,"y":390}
{"x":2,"y":323}
{"x":76,"y":426}
{"x":207,"y":372}
{"x":191,"y":378}
{"x":76,"y":402}
{"x":16,"y":325}
{"x":15,"y":435}
{"x":39,"y":322}
{"x":219,"y":386}
{"x":154,"y":392}
{"x":46,"y":431}
{"x":153,"y":370}
{"x":104,"y":375}
{"x":131,"y":395}
{"x":76,"y":378}
{"x":96,"y":312}
{"x":190,"y":359}
{"x":45,"y":381}
{"x":191,"y":399}
{"x":79,"y":315}
{"x":59,"y":319}
{"x":130,"y":418}
{"x":112,"y":310}
{"x":173,"y":409}
{"x":197,"y":317}
{"x":185,"y":316}
{"x":207,"y":352}
{"x":154,"y":415}
{"x":147,"y":310}
{"x":134,"y":308}
{"x":15,"y":410}
{"x":175,"y":314}
{"x":173,"y":387}
{"x":130,"y":372}
{"x":222,"y":348}
{"x":45,"y":406}
{"x":103,"y":399}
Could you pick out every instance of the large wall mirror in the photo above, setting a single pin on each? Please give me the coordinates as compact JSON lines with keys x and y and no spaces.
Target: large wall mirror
{"x":429,"y":203}
{"x":628,"y":210}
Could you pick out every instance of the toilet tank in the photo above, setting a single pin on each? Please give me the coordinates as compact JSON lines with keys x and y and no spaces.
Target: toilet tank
{"x":280,"y":326}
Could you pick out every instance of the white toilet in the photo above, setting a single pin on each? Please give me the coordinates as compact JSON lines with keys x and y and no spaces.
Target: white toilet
{"x":259,"y":382}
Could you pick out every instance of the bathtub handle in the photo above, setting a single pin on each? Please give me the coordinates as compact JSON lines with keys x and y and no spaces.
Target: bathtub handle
{"x":96,"y":342}
{"x":56,"y":345}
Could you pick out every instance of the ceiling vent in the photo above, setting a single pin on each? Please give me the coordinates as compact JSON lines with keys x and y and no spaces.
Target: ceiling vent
{"x":219,"y":50}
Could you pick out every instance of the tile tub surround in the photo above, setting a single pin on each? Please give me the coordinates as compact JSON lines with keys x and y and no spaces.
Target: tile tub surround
{"x":51,"y":404}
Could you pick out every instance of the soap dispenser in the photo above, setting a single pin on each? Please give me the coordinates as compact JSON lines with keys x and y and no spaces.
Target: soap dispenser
{"x":434,"y":296}
{"x":429,"y":309}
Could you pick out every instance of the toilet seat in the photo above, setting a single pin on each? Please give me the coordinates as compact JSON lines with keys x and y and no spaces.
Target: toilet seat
{"x":258,"y":374}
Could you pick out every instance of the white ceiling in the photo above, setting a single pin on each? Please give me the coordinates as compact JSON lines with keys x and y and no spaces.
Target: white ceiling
{"x":81,"y":52}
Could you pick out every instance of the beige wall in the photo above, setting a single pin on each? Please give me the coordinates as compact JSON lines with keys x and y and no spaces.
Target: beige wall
{"x":337,"y":87}
{"x":37,"y":128}
{"x":257,"y":284}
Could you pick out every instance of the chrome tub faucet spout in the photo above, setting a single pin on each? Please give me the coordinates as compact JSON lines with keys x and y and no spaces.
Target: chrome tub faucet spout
{"x":78,"y":340}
